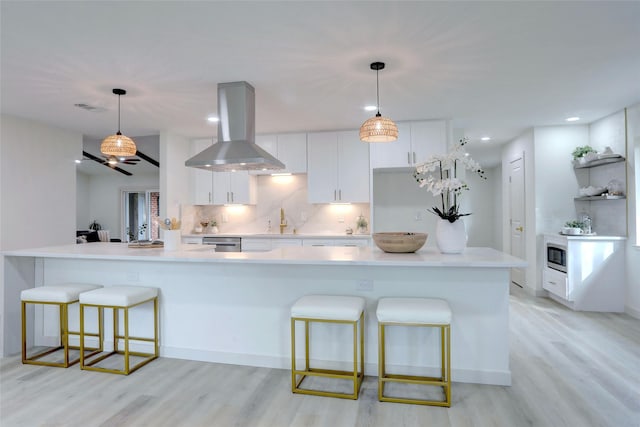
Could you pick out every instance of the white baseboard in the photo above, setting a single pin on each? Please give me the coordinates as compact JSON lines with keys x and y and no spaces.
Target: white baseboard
{"x":277,"y":362}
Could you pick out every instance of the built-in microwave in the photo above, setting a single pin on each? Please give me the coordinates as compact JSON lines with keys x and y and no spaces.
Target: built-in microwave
{"x":557,"y":257}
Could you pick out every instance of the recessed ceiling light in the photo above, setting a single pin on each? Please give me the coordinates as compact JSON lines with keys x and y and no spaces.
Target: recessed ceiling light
{"x":370,"y":108}
{"x":485,"y":138}
{"x":78,"y":161}
{"x":572,"y":119}
{"x":213,"y":119}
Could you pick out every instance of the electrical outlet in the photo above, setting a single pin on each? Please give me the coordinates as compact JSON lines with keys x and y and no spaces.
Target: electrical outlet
{"x":225,"y":217}
{"x":365,"y":285}
{"x":303,"y":216}
{"x":340,"y":219}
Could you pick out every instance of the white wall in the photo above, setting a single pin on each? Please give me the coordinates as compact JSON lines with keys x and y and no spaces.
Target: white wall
{"x":633,"y":213}
{"x":555,"y":178}
{"x":38,"y":193}
{"x":174,"y":175}
{"x":83,"y":191}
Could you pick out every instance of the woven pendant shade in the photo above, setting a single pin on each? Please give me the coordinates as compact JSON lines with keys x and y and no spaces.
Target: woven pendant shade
{"x":118,"y":145}
{"x":378,"y":129}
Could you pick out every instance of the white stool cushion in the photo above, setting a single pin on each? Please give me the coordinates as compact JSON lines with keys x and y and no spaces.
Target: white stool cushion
{"x":119,"y":296}
{"x":63,"y":293}
{"x":414,"y":310}
{"x":328,"y":307}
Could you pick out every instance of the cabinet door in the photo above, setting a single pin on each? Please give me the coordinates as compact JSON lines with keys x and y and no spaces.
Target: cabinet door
{"x":322,"y":166}
{"x":256,"y":245}
{"x":292,"y":151}
{"x":428,"y":138}
{"x":353,"y":168}
{"x":393,"y":154}
{"x":221,"y":194}
{"x":281,"y":243}
{"x":234,"y":188}
{"x":201,"y":180}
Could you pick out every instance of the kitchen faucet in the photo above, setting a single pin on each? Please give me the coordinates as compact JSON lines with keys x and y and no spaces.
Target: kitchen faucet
{"x":283,"y":221}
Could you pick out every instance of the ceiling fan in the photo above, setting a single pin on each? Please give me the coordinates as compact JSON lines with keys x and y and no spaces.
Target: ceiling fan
{"x":113,"y":161}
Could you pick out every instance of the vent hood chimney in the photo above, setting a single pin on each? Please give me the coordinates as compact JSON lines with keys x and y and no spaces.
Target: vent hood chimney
{"x":236,"y":148}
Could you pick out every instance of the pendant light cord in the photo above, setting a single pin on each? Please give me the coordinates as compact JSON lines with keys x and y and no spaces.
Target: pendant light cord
{"x":378,"y":93}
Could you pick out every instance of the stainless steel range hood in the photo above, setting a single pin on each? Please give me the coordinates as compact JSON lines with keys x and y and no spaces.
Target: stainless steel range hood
{"x":236,"y":148}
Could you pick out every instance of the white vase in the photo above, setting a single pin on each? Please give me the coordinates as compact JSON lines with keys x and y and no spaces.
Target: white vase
{"x":214,"y":229}
{"x":451,"y":237}
{"x":171,"y":240}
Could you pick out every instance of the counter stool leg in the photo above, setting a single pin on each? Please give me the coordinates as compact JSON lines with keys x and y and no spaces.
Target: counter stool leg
{"x":116,"y":329}
{"x":155,"y":327}
{"x":64,"y":331}
{"x":448,"y":329}
{"x":381,"y":361}
{"x":82,"y":336}
{"x":126,"y":340}
{"x":306,"y":345}
{"x":24,"y":332}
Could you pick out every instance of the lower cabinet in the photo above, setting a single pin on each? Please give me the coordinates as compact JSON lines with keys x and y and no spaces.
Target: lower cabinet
{"x":335,"y":242}
{"x":555,"y":282}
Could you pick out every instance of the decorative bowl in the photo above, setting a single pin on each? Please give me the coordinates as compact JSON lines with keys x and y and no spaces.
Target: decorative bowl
{"x":399,"y":242}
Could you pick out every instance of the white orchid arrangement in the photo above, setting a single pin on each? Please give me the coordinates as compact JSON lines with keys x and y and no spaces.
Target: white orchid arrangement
{"x":438,"y":175}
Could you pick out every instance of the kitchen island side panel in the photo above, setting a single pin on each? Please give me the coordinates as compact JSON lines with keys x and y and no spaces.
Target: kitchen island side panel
{"x":239,"y":313}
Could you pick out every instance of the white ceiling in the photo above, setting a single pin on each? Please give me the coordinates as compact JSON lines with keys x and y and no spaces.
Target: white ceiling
{"x":494,"y":68}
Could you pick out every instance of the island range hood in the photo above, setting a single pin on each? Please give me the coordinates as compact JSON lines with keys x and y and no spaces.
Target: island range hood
{"x":236,"y":148}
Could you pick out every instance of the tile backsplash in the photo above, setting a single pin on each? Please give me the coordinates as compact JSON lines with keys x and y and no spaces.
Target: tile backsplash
{"x":274,"y":193}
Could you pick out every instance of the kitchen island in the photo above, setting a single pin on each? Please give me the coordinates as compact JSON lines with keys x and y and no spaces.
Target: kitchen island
{"x":234,"y":307}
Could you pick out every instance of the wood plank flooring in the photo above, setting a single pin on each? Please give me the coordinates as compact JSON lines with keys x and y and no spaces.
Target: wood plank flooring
{"x":569,"y":369}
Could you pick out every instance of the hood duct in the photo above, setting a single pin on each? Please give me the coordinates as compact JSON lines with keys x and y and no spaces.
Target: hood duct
{"x":236,"y":148}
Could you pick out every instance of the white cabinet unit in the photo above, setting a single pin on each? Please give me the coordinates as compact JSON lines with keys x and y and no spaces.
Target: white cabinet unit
{"x":335,"y":242}
{"x":338,"y":168}
{"x":201,"y":180}
{"x":234,"y":188}
{"x":281,"y":243}
{"x":416,"y":142}
{"x":256,"y":245}
{"x":289,"y":148}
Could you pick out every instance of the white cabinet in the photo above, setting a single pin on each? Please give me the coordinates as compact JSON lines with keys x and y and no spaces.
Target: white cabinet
{"x":289,"y":148}
{"x":555,"y":282}
{"x":201,"y":180}
{"x":281,"y":243}
{"x":416,"y":142}
{"x":234,"y":188}
{"x":335,"y":242}
{"x":255,"y":245}
{"x":338,"y":168}
{"x":190,"y":240}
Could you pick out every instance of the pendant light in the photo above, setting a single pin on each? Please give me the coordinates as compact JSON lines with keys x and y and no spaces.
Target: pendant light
{"x":378,"y":128}
{"x":118,"y":145}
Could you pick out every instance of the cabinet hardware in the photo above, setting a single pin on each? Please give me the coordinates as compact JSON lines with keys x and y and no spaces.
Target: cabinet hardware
{"x":414,"y":157}
{"x":408,"y":158}
{"x":334,"y":195}
{"x":209,"y":196}
{"x":232,"y":197}
{"x":340,"y":195}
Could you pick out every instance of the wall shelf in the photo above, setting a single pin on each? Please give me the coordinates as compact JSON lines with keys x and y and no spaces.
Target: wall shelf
{"x":604,"y":197}
{"x":599,"y":162}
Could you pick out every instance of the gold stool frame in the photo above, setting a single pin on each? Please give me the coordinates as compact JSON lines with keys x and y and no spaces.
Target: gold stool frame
{"x":63,"y":312}
{"x":148,"y":357}
{"x":356,"y":375}
{"x":445,"y":367}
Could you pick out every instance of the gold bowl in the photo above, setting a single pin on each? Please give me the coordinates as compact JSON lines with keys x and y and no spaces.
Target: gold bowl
{"x":399,"y":242}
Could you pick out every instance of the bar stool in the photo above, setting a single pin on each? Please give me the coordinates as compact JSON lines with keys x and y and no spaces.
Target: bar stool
{"x":120,"y":298}
{"x":62,"y":295}
{"x":423,"y":312}
{"x":328,"y":309}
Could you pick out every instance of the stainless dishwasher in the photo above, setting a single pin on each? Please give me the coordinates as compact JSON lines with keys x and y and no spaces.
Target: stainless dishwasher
{"x":224,"y":244}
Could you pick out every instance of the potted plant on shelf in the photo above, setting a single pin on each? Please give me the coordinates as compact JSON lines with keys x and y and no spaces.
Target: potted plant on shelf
{"x":361,"y":224}
{"x":584,"y":154}
{"x":439,"y":174}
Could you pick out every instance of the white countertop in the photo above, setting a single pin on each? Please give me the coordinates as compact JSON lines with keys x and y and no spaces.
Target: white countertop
{"x":281,"y":236}
{"x":368,"y":256}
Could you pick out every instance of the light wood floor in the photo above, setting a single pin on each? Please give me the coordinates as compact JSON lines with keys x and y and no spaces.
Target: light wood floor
{"x":569,"y":369}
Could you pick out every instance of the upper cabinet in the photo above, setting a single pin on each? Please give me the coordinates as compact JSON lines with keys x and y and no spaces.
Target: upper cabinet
{"x":289,"y":148}
{"x":416,"y":142}
{"x":234,"y":188}
{"x":220,"y":188}
{"x":338,"y":168}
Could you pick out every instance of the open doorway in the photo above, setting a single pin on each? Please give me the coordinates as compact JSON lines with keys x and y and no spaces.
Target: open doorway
{"x":140,"y":208}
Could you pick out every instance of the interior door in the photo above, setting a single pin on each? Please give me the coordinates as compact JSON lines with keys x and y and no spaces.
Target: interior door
{"x":517,"y":202}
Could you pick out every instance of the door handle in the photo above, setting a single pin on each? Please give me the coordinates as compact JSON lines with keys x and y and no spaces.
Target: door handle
{"x":408,"y":158}
{"x":520,"y":229}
